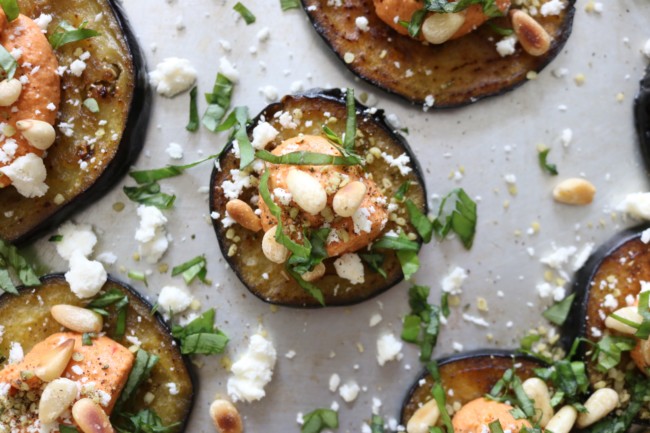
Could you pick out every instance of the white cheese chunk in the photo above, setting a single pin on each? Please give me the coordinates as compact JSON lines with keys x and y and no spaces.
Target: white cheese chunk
{"x":637,"y":205}
{"x":263,"y":134}
{"x":174,"y":300}
{"x":552,"y":7}
{"x":228,"y":70}
{"x":43,"y":21}
{"x":85,"y":277}
{"x":175,"y":151}
{"x":252,"y":371}
{"x":27,"y":174}
{"x":453,"y":282}
{"x":350,"y":267}
{"x":76,"y":238}
{"x":401,"y":162}
{"x":151,"y":234}
{"x":77,"y":67}
{"x":349,"y":391}
{"x":506,"y":46}
{"x":173,"y":76}
{"x":16,"y":353}
{"x":389,"y":348}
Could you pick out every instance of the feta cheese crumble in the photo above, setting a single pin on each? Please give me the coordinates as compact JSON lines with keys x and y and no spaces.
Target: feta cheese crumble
{"x":453,"y":282}
{"x":252,"y":371}
{"x":27,"y":175}
{"x":350,"y":267}
{"x":389,"y":348}
{"x":151,"y":233}
{"x":174,"y":300}
{"x":173,"y":76}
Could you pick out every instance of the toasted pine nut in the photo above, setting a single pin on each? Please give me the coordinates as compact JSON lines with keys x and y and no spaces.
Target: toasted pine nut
{"x":629,"y":313}
{"x":439,"y":28}
{"x":423,"y":418}
{"x":226,"y":417}
{"x":39,"y":134}
{"x":348,"y":199}
{"x":316,"y":274}
{"x":537,"y":391}
{"x":52,"y":364}
{"x":574,"y":191}
{"x":57,"y":397}
{"x":244,"y":215}
{"x":563,"y":420}
{"x":77,"y":319}
{"x":307,"y":191}
{"x":533,"y":38}
{"x":274,"y":251}
{"x":90,"y":417}
{"x":598,"y":406}
{"x":10,"y":91}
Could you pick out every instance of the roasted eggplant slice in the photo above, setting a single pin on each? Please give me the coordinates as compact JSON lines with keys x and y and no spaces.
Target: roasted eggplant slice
{"x":610,"y":280}
{"x":642,"y":117}
{"x":455,"y":73}
{"x":90,"y":156}
{"x":26,"y":319}
{"x":242,"y":248}
{"x":470,"y":376}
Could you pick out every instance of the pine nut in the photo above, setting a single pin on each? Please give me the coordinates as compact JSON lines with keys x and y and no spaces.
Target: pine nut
{"x":244,"y":215}
{"x":598,"y":406}
{"x":537,"y":391}
{"x":226,"y":417}
{"x":39,"y":134}
{"x":90,"y":417}
{"x":629,"y":313}
{"x":423,"y":418}
{"x":52,"y":364}
{"x":57,"y":397}
{"x":574,"y":191}
{"x":307,"y":191}
{"x":274,"y":251}
{"x":563,"y":420}
{"x":316,"y":274}
{"x":10,"y":91}
{"x":533,"y":38}
{"x":439,"y":28}
{"x":348,"y":199}
{"x":77,"y":319}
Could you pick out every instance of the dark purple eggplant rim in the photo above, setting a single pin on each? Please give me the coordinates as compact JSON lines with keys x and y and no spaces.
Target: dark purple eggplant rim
{"x":159,"y":318}
{"x":642,"y":117}
{"x":379,"y":118}
{"x":479,"y":353}
{"x":131,"y":144}
{"x":556,"y":49}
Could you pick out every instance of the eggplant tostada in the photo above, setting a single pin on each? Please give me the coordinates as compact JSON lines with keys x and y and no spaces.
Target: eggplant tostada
{"x":444,"y":54}
{"x":611,"y":317}
{"x":66,"y":362}
{"x":499,"y":391}
{"x":307,"y":214}
{"x":76,"y":104}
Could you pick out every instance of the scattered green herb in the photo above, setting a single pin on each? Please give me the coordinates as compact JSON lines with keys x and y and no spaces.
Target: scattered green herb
{"x":193,"y":123}
{"x":65,"y":34}
{"x":457,"y":212}
{"x":146,"y":421}
{"x":490,"y":7}
{"x":415,"y":24}
{"x":495,"y":427}
{"x":509,"y":388}
{"x":192,"y":269}
{"x":119,"y":301}
{"x":318,"y":420}
{"x":420,"y":221}
{"x":349,"y":141}
{"x":558,"y":313}
{"x":92,"y":105}
{"x":422,"y":325}
{"x":609,"y":349}
{"x":246,"y":14}
{"x":375,"y":261}
{"x":439,"y":396}
{"x":8,"y":63}
{"x":403,"y":189}
{"x":67,"y":429}
{"x":87,"y":338}
{"x":55,"y":238}
{"x":142,"y":366}
{"x":200,"y":336}
{"x":543,"y":162}
{"x":501,"y":31}
{"x":10,"y":8}
{"x":218,"y":102}
{"x":12,"y":262}
{"x":377,"y":424}
{"x":137,"y":276}
{"x":289,"y":4}
{"x":307,"y":158}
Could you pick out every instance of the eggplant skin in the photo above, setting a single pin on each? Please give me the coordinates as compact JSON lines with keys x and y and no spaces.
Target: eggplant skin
{"x":642,"y":117}
{"x":249,"y":263}
{"x":26,"y":319}
{"x":614,"y":269}
{"x":456,"y":73}
{"x":116,"y":76}
{"x":471,"y":375}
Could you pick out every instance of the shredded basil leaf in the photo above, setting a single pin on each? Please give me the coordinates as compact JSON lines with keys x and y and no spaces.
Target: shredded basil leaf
{"x":543,"y":162}
{"x":200,"y":336}
{"x":558,"y":313}
{"x":193,"y":123}
{"x":142,"y":366}
{"x":67,"y":429}
{"x":501,"y":31}
{"x":218,"y":102}
{"x":308,"y":287}
{"x":12,"y":260}
{"x":55,"y":238}
{"x":609,"y":349}
{"x":87,"y":339}
{"x":439,"y":395}
{"x":415,"y":24}
{"x":410,"y":263}
{"x":150,"y":195}
{"x":420,"y":221}
{"x":643,"y":332}
{"x":403,"y":189}
{"x":490,"y":7}
{"x":67,"y":34}
{"x":422,"y":325}
{"x":495,"y":427}
{"x":317,"y":240}
{"x":246,"y":14}
{"x":397,"y":243}
{"x":289,"y":4}
{"x":137,"y":276}
{"x":149,"y":176}
{"x":246,"y":151}
{"x":8,"y":63}
{"x":319,"y":420}
{"x":10,"y":8}
{"x":307,"y":158}
{"x":146,"y":421}
{"x":92,"y":105}
{"x":332,"y":136}
{"x":119,"y":301}
{"x":375,"y":261}
{"x":350,"y":121}
{"x":457,"y":212}
{"x":377,"y":424}
{"x":192,"y":269}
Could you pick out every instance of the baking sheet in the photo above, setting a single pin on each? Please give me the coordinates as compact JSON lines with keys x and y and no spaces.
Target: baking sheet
{"x":483,"y":143}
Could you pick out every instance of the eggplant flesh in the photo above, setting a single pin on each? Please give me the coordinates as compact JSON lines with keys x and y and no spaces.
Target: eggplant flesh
{"x":614,"y":271}
{"x":642,"y":117}
{"x":470,"y":376}
{"x":26,"y":319}
{"x":87,"y":164}
{"x":269,"y":281}
{"x":455,"y":73}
